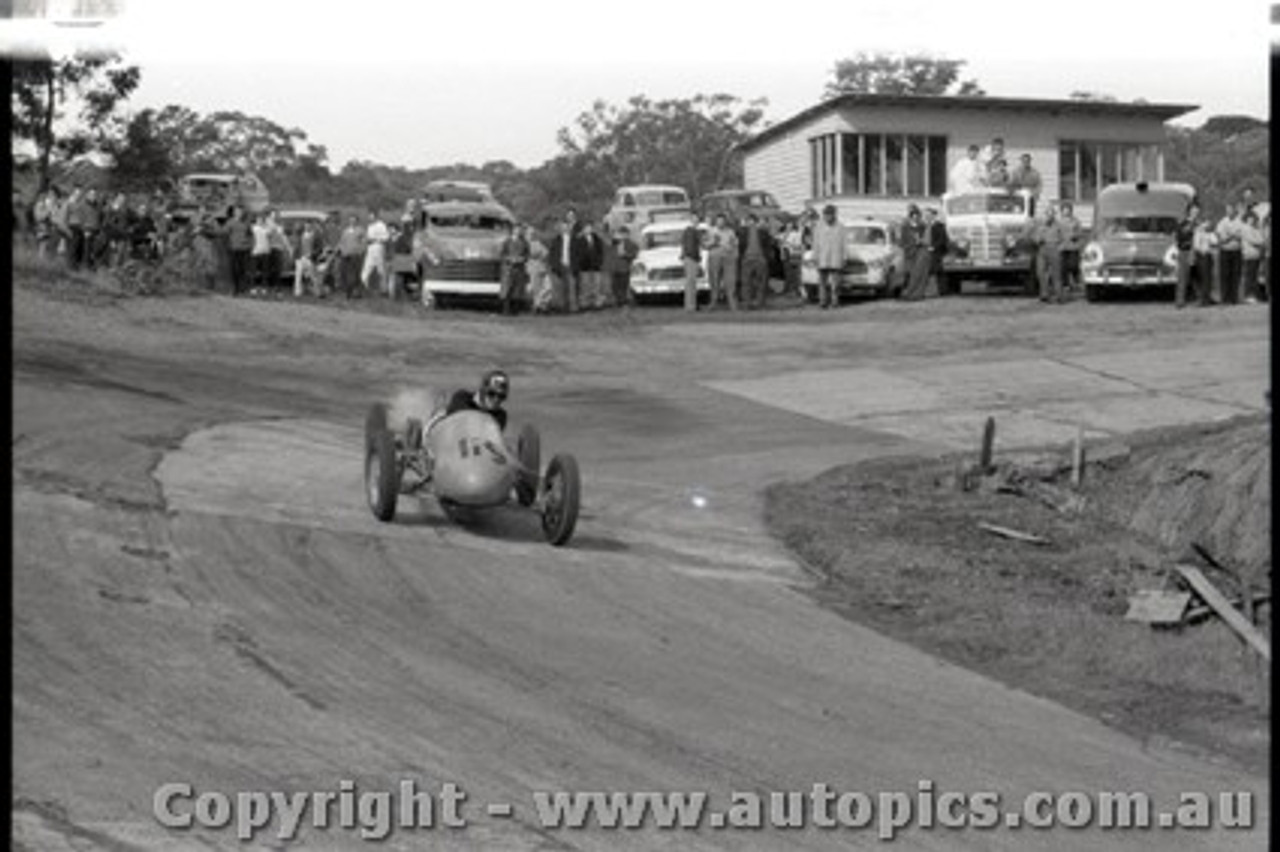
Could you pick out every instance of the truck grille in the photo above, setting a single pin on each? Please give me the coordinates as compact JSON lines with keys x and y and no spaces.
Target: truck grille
{"x":986,"y":245}
{"x":465,"y":270}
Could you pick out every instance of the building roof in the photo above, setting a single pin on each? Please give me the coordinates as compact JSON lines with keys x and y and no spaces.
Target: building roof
{"x":1163,"y":112}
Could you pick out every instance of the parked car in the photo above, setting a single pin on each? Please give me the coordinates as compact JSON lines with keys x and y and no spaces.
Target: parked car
{"x":989,"y":236}
{"x":218,"y":194}
{"x":735,"y":204}
{"x":873,"y":261}
{"x":1132,"y":245}
{"x":637,"y":206}
{"x":658,"y":269}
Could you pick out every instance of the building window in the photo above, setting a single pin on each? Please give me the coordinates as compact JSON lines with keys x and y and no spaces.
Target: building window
{"x":885,"y":164}
{"x":1084,"y":168}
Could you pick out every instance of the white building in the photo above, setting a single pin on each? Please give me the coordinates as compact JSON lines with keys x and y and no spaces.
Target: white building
{"x":875,"y":154}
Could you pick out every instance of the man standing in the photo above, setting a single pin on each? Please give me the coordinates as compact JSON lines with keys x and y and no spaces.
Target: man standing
{"x":1072,"y":240}
{"x":91,"y":224}
{"x":590,"y":266}
{"x":756,"y":246}
{"x":691,"y":255}
{"x":968,"y":174}
{"x":563,"y":258}
{"x":1025,"y":176}
{"x":1048,"y":240}
{"x":261,"y":253}
{"x":938,"y":244}
{"x":375,"y":255}
{"x":829,"y":245}
{"x":1229,"y":258}
{"x":1204,"y":243}
{"x":515,"y":273}
{"x":304,"y":266}
{"x":996,"y":164}
{"x":625,"y":252}
{"x":240,"y":242}
{"x":1184,"y":237}
{"x":350,"y":251}
{"x":722,"y":263}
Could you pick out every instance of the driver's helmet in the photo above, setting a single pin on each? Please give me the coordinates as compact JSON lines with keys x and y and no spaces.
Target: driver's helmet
{"x":494,"y":388}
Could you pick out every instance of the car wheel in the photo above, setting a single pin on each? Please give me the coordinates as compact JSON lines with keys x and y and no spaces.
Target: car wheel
{"x":561,"y":489}
{"x":375,"y":422}
{"x":529,"y":454}
{"x":382,"y":476}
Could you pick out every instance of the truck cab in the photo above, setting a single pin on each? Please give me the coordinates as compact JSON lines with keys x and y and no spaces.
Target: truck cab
{"x":989,"y":235}
{"x":457,"y":248}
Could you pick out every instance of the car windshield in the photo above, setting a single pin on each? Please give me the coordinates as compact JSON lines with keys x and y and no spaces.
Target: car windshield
{"x":660,"y":198}
{"x":1113,"y":226}
{"x":658,"y":239}
{"x":970,"y":204}
{"x":867,"y":235}
{"x":468,"y":221}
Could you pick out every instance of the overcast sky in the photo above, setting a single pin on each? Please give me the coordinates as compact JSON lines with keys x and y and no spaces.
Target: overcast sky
{"x":433,"y":83}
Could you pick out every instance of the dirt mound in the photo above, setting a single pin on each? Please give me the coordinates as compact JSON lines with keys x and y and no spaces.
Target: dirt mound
{"x":1215,"y":492}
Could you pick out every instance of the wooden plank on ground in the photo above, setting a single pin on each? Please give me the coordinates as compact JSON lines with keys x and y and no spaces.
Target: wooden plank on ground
{"x":1225,"y":611}
{"x":1158,"y":606}
{"x":1016,"y":535}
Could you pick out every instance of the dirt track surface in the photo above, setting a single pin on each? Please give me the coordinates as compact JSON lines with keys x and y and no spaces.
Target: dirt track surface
{"x":201,"y":596}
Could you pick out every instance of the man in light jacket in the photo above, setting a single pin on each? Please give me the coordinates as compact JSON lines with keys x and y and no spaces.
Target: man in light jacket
{"x":828,"y":256}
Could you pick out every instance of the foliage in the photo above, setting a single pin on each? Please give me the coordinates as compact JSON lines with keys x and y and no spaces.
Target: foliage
{"x":686,"y":141}
{"x":900,"y":74}
{"x":41,"y":87}
{"x":1219,"y":165}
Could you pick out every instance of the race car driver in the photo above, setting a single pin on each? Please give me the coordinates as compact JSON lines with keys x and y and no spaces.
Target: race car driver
{"x":489,"y":398}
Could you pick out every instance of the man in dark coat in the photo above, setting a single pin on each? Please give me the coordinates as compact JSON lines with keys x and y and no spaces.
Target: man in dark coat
{"x":564,"y":260}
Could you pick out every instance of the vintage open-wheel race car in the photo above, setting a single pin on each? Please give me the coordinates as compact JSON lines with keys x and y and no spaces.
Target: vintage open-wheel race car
{"x":467,"y":462}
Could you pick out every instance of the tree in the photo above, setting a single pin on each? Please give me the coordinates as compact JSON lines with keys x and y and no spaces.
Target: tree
{"x":898,"y":74}
{"x":141,"y":156}
{"x":1219,"y":166}
{"x":41,"y":88}
{"x":686,"y":141}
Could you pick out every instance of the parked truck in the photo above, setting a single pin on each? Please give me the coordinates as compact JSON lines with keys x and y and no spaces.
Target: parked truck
{"x":990,"y":238}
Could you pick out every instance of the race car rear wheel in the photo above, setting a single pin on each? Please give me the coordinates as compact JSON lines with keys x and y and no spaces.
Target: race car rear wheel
{"x":382,"y":476}
{"x":374,"y":423}
{"x":561,"y":491}
{"x":529,"y":454}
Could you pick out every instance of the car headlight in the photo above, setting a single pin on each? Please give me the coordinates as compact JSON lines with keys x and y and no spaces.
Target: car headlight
{"x":961,"y":245}
{"x":637,"y":269}
{"x":1171,"y":257}
{"x":1010,"y":241}
{"x":876,"y":263}
{"x":1092,"y":255}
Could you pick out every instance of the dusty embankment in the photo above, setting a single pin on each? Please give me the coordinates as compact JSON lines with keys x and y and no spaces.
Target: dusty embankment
{"x":897,"y":546}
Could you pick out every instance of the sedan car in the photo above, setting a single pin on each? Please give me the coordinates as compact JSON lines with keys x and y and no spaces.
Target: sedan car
{"x":873,"y":262}
{"x":658,"y":269}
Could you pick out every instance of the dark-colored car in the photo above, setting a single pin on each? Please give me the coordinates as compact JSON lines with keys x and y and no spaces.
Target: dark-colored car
{"x":735,"y":204}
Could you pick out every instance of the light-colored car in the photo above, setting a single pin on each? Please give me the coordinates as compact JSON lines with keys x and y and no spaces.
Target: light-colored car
{"x":638,"y":206}
{"x":658,"y":269}
{"x":1133,"y":243}
{"x":873,"y":261}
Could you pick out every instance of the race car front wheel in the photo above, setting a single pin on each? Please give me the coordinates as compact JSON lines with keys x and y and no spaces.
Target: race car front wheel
{"x":529,"y":454}
{"x":561,"y":490}
{"x":382,"y":475}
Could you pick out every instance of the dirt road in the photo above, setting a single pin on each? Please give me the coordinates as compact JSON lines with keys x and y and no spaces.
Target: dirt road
{"x":201,"y":596}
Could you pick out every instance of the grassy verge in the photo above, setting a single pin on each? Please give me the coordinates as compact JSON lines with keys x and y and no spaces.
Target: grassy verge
{"x":897,"y":546}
